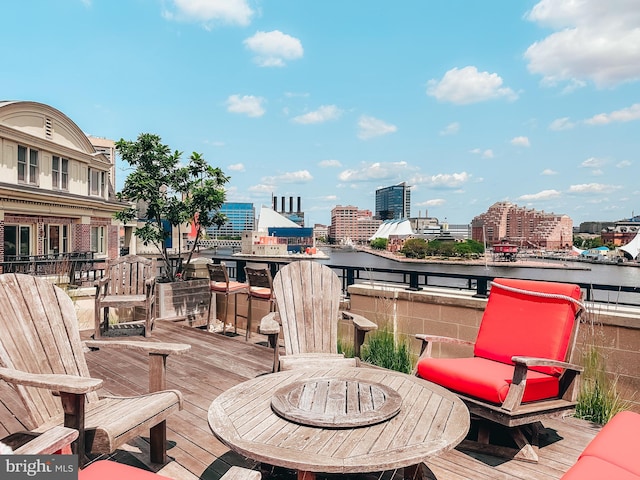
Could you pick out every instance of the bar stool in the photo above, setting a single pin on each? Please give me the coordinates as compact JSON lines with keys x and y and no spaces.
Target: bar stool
{"x":219,"y":283}
{"x":261,"y":289}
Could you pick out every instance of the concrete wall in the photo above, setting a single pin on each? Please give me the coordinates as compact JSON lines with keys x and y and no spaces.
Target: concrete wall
{"x":614,"y":330}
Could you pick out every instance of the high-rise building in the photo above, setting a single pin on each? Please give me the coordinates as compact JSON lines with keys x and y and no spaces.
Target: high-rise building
{"x":393,"y":202}
{"x":522,"y":226}
{"x":241,"y":217}
{"x":351,"y":225}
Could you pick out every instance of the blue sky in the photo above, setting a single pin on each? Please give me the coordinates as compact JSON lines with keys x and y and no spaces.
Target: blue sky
{"x":536,"y":102}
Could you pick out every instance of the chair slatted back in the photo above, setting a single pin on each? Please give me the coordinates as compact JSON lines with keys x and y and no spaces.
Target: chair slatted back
{"x":308,"y":298}
{"x":39,"y":335}
{"x":218,"y":272}
{"x":128,"y":275}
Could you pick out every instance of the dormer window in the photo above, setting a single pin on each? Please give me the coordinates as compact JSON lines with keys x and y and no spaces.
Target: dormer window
{"x":28,"y":168}
{"x":97,"y":183}
{"x":60,"y":173}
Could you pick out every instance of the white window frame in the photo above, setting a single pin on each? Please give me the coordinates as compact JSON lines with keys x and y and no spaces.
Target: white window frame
{"x":28,"y":165}
{"x":63,"y":239}
{"x":96,"y":180}
{"x":20,"y":229}
{"x":60,"y":173}
{"x":99,"y":239}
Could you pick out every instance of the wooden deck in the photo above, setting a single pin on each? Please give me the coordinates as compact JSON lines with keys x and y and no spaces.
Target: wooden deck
{"x":217,"y":363}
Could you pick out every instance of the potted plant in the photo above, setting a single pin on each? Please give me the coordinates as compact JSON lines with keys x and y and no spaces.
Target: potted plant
{"x":163,"y":191}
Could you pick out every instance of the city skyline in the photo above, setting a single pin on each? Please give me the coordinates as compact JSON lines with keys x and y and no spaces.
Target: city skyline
{"x":471,"y":103}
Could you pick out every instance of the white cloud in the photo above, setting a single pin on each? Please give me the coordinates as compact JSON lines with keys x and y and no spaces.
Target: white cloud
{"x":593,"y":162}
{"x":370,"y":127}
{"x":593,"y":188}
{"x":488,"y":153}
{"x":374,"y":171}
{"x":321,"y":115}
{"x":434,"y":202}
{"x":468,"y":85}
{"x":623,"y":164}
{"x":329,"y":163}
{"x":247,"y":104}
{"x":273,"y":48}
{"x":543,"y":195}
{"x":450,"y":129}
{"x":262,"y":188}
{"x":563,"y":123}
{"x":301,"y":176}
{"x":520,"y":142}
{"x":233,"y":12}
{"x":594,"y":40}
{"x":548,"y":171}
{"x":625,"y":115}
{"x":236,"y":167}
{"x":442,"y":180}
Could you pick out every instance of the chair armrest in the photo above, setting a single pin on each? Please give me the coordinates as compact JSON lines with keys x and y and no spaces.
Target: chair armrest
{"x":270,"y":324}
{"x":52,"y":381}
{"x":429,"y":340}
{"x":545,"y":362}
{"x":152,"y":348}
{"x":359,"y":322}
{"x":101,"y":282}
{"x":49,"y":442}
{"x":519,"y":381}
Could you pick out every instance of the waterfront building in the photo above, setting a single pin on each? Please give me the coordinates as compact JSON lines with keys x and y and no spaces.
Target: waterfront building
{"x":320,"y":232}
{"x":621,"y":232}
{"x":524,"y":227}
{"x":393,"y":202}
{"x":56,"y":187}
{"x":241,"y":217}
{"x":351,"y":225}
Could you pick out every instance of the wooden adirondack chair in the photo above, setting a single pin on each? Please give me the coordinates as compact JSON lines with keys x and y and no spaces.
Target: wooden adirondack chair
{"x":129,"y":281}
{"x":307,"y":296}
{"x":42,"y":357}
{"x":519,"y":373}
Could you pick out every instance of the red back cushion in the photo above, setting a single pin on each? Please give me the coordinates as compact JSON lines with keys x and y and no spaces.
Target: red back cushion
{"x":526,"y":324}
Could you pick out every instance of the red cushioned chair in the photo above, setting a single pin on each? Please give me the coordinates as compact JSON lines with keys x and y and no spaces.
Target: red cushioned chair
{"x":613,"y":453}
{"x":519,"y":373}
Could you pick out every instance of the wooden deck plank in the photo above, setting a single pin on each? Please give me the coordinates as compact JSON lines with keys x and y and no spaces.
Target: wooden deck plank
{"x":216,"y":363}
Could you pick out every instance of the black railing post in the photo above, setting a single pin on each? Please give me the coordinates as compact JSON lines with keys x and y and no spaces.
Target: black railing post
{"x":481,"y":288}
{"x":414,"y":286}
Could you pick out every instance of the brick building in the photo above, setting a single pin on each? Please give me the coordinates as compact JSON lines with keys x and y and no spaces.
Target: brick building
{"x":350,"y":224}
{"x":56,"y":187}
{"x":525,"y":227}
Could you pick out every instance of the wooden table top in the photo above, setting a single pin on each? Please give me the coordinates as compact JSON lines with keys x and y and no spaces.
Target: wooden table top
{"x":431,"y":420}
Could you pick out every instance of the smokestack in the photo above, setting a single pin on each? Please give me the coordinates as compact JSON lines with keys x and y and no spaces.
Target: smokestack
{"x":299,"y":205}
{"x":282,"y":202}
{"x":290,"y":204}
{"x":274,"y":199}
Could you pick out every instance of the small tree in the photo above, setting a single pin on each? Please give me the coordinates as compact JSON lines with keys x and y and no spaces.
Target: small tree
{"x":166,"y":191}
{"x":415,"y":248}
{"x":379,"y":243}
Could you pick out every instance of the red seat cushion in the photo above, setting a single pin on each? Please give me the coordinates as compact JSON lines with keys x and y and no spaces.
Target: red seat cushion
{"x":617,"y":442}
{"x":108,"y":470}
{"x":593,"y":468}
{"x":234,"y":287}
{"x":260,"y":292}
{"x":527,"y":325}
{"x":485,"y":379}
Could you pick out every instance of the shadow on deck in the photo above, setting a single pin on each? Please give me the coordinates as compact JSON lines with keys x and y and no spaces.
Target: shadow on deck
{"x":216,"y":363}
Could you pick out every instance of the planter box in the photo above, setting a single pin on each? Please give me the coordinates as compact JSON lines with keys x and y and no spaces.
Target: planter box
{"x":186,"y":300}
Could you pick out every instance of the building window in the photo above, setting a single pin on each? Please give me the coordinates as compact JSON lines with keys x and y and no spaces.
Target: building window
{"x":98,"y":240}
{"x":60,"y":173}
{"x":28,"y":170}
{"x":97,"y":183}
{"x":17,"y":240}
{"x":56,"y":239}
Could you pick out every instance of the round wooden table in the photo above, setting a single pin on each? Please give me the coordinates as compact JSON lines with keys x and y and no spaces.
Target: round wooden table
{"x":431,"y":420}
